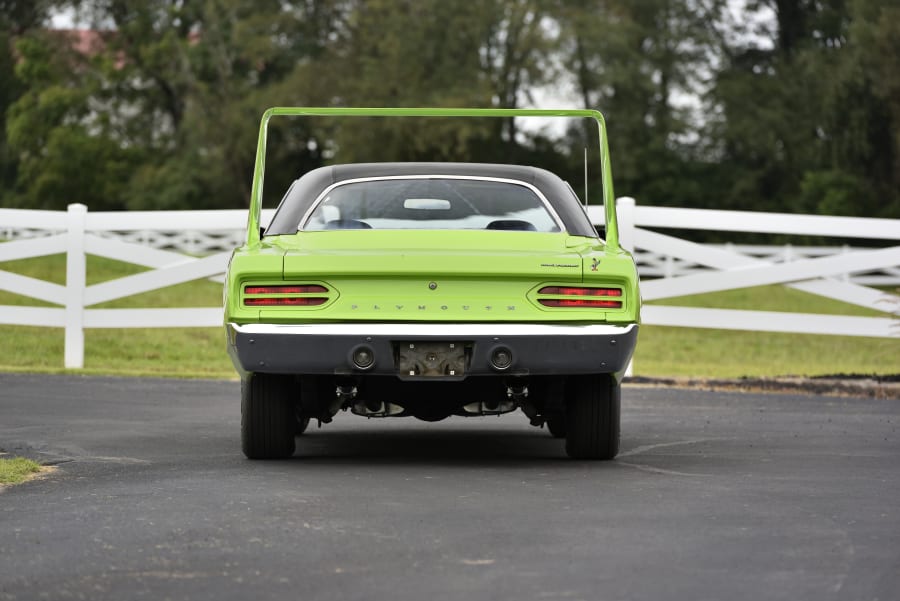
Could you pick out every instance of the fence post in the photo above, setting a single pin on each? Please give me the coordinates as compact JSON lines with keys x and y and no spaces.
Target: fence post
{"x":76,"y":271}
{"x":625,"y":216}
{"x":669,"y":269}
{"x":845,"y":277}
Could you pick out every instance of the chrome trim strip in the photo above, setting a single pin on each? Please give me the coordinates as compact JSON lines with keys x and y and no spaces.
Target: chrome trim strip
{"x":449,"y":331}
{"x":326,"y":191}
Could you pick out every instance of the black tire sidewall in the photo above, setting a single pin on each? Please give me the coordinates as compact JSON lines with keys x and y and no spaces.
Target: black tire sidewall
{"x":593,"y":416}
{"x":268,"y":422}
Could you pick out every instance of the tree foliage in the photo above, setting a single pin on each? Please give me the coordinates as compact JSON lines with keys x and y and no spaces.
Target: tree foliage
{"x":810,"y":122}
{"x":789,"y":105}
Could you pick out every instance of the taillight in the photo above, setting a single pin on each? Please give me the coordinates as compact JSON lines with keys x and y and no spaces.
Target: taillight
{"x":578,"y":291}
{"x":304,"y":289}
{"x":303,"y":301}
{"x":580,"y":302}
{"x":287,"y":295}
{"x":581,"y":297}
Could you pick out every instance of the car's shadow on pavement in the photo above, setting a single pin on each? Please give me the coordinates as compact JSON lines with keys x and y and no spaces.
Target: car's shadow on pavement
{"x":395,"y":446}
{"x":483,"y":447}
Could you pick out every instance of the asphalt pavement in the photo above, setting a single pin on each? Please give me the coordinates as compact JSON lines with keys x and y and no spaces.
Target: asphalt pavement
{"x":719,"y":496}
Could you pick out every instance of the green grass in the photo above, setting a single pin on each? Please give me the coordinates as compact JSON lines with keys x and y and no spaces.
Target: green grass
{"x":708,"y":353}
{"x":16,"y":470}
{"x":662,"y":351}
{"x":696,"y":353}
{"x":183,"y":353}
{"x":771,"y":298}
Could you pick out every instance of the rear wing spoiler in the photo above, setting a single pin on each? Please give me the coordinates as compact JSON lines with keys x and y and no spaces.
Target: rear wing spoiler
{"x":609,"y":204}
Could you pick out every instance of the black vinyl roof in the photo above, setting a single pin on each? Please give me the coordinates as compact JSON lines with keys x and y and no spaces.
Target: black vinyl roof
{"x":305,"y":190}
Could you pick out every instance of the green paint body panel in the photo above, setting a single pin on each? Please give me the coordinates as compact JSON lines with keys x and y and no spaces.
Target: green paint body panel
{"x":381,"y":275}
{"x":440,"y":277}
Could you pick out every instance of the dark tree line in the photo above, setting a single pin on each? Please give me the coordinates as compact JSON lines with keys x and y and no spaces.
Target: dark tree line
{"x":789,"y":105}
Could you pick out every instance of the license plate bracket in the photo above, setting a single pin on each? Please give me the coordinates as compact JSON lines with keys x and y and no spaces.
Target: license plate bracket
{"x":430,"y":359}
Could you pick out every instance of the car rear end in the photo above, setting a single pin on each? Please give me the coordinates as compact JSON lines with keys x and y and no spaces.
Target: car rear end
{"x":431,"y":290}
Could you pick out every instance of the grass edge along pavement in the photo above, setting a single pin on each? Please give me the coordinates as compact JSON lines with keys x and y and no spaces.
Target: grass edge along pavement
{"x":16,"y":470}
{"x":662,"y":352}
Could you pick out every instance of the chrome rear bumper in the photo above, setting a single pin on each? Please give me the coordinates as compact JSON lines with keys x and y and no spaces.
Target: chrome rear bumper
{"x":535,"y":349}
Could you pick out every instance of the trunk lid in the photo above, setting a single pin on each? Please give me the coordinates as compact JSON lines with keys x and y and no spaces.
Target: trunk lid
{"x":432,"y":275}
{"x":431,"y":253}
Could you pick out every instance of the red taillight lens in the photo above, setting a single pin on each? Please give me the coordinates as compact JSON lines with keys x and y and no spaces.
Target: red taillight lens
{"x":579,"y":291}
{"x":305,"y":289}
{"x":580,"y":302}
{"x":287,"y":301}
{"x":595,"y":298}
{"x":287,"y":295}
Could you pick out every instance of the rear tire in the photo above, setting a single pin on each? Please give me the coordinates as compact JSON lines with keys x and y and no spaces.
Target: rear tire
{"x":268,"y":422}
{"x":593,"y":415}
{"x":301,"y":424}
{"x":556,"y":425}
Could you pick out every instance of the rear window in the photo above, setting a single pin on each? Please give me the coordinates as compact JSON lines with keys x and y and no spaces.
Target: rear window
{"x":437,"y":203}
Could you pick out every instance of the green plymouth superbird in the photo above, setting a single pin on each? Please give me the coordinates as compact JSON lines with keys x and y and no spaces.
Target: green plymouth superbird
{"x":431,"y":290}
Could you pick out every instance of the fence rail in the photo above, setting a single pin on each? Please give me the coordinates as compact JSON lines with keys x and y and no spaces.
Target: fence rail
{"x":650,"y":264}
{"x":169,"y":243}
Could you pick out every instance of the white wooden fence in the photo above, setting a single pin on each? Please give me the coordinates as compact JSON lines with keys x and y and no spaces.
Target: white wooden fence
{"x":687,"y":267}
{"x":659,"y":265}
{"x":823,"y":276}
{"x":651,"y":264}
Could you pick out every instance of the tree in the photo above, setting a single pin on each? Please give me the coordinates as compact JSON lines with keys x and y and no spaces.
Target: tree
{"x":16,"y":19}
{"x":433,"y":53}
{"x":806,"y":123}
{"x":797,"y":112}
{"x":64,"y":152}
{"x":181,"y":87}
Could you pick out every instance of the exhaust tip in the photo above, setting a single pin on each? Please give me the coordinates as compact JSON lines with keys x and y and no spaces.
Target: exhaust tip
{"x":501,"y":358}
{"x":363,"y":357}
